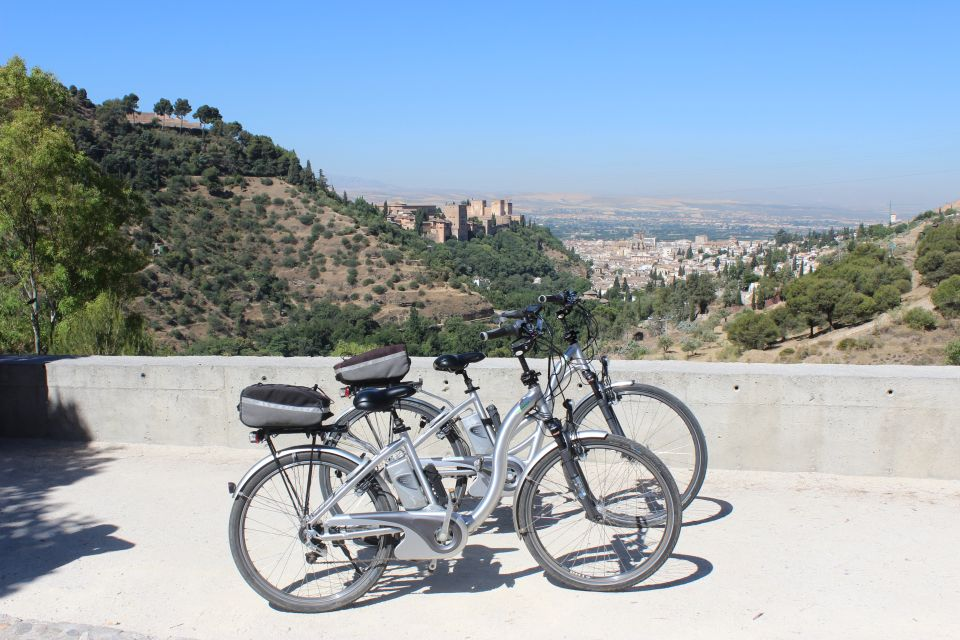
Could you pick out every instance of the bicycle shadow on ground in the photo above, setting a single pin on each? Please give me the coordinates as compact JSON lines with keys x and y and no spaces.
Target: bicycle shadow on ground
{"x":476,"y":570}
{"x":678,"y":570}
{"x":33,"y":541}
{"x":704,"y":510}
{"x":500,"y":521}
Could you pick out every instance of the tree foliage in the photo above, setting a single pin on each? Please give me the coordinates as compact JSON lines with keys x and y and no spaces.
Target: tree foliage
{"x":752,"y":330}
{"x":947,"y":296}
{"x":163,"y":107}
{"x":849,"y":289}
{"x":104,"y":327}
{"x":938,"y":252}
{"x":62,"y":240}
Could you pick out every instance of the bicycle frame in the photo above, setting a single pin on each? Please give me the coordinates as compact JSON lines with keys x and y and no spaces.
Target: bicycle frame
{"x":533,"y":404}
{"x":572,"y":361}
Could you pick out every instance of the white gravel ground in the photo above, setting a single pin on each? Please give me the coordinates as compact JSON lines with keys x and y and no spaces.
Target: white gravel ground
{"x":135,"y":538}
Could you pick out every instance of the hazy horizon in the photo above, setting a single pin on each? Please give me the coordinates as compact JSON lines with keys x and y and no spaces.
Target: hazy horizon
{"x":818,"y":105}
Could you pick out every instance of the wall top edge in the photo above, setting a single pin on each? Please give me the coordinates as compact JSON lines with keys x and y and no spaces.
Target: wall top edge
{"x":620,"y":368}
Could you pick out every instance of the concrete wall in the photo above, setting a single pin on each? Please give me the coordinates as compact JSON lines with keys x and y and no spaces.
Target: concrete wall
{"x":856,"y":420}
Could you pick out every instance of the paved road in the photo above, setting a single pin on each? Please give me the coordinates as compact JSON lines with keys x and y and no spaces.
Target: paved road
{"x":133,"y":538}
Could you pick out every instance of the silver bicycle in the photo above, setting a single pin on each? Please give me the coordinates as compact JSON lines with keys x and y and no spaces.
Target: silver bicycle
{"x":641,"y":412}
{"x":313,"y":527}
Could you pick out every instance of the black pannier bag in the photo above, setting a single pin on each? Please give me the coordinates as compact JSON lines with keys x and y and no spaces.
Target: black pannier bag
{"x":381,"y":366}
{"x":283,"y":406}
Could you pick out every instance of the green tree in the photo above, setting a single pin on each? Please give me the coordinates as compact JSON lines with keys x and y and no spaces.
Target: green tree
{"x":308,"y":179}
{"x":665,"y":342}
{"x":690,"y":346}
{"x":131,"y":103}
{"x":103,"y":327}
{"x":15,"y":334}
{"x":37,"y":91}
{"x":947,"y":296}
{"x":294,"y":172}
{"x":938,"y":252}
{"x":207,"y":115}
{"x":701,"y":290}
{"x":854,"y":308}
{"x":181,"y":109}
{"x":61,"y":219}
{"x":752,"y":330}
{"x":786,"y":320}
{"x":163,"y":107}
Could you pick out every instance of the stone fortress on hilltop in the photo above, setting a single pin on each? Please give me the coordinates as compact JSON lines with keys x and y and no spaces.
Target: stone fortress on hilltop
{"x":454,"y":221}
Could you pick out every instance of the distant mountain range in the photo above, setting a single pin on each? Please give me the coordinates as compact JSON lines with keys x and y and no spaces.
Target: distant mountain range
{"x":560,"y":206}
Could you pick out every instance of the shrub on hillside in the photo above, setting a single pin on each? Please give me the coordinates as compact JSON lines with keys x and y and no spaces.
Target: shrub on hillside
{"x":861,"y":344}
{"x":953,"y":352}
{"x":920,"y":319}
{"x":947,"y":296}
{"x":636,"y":351}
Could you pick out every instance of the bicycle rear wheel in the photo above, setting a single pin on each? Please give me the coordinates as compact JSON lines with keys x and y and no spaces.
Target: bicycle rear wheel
{"x":639,"y":523}
{"x":371,"y":431}
{"x":273,"y":551}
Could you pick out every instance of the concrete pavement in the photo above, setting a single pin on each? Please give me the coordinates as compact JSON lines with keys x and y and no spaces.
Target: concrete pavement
{"x":134,"y":537}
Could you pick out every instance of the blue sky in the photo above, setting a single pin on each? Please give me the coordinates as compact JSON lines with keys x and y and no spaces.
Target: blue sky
{"x":839,"y":104}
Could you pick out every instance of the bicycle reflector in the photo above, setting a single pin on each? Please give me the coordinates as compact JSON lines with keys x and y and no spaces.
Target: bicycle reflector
{"x":256,"y":437}
{"x":344,"y":392}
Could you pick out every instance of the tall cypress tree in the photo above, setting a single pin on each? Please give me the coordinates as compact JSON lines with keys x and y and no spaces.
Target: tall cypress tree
{"x":293,"y":172}
{"x":308,"y":179}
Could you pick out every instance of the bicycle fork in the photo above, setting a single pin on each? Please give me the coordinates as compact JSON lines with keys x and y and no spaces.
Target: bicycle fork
{"x":570,"y":463}
{"x":601,"y":392}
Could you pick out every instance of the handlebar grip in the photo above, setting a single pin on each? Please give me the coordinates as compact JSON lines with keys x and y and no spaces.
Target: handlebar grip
{"x":558,"y":298}
{"x":500,"y":332}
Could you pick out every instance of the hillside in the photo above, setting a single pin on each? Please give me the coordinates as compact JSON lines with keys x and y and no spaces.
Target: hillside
{"x":887,"y":338}
{"x":247,"y":247}
{"x":228,"y":266}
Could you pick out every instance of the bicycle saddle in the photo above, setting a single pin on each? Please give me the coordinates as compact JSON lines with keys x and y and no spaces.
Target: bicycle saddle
{"x":382,"y":398}
{"x":457,"y":362}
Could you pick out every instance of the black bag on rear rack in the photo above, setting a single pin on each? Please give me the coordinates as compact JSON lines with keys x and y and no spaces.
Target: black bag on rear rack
{"x":283,"y":406}
{"x":381,"y":366}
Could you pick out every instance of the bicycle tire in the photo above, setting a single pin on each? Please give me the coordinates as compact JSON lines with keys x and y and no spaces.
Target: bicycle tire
{"x":265,"y":524}
{"x":659,"y":421}
{"x":374,"y":429}
{"x":640,"y":522}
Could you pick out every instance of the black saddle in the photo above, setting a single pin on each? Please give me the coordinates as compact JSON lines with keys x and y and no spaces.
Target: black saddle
{"x":382,"y":398}
{"x":457,"y":362}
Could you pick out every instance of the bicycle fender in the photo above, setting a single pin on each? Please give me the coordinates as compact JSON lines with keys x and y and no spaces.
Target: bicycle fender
{"x":268,"y":460}
{"x":581,"y":435}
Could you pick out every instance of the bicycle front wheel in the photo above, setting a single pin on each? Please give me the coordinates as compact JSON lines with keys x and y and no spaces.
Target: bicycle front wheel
{"x":660,"y":422}
{"x":274,"y":552}
{"x":639,"y":515}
